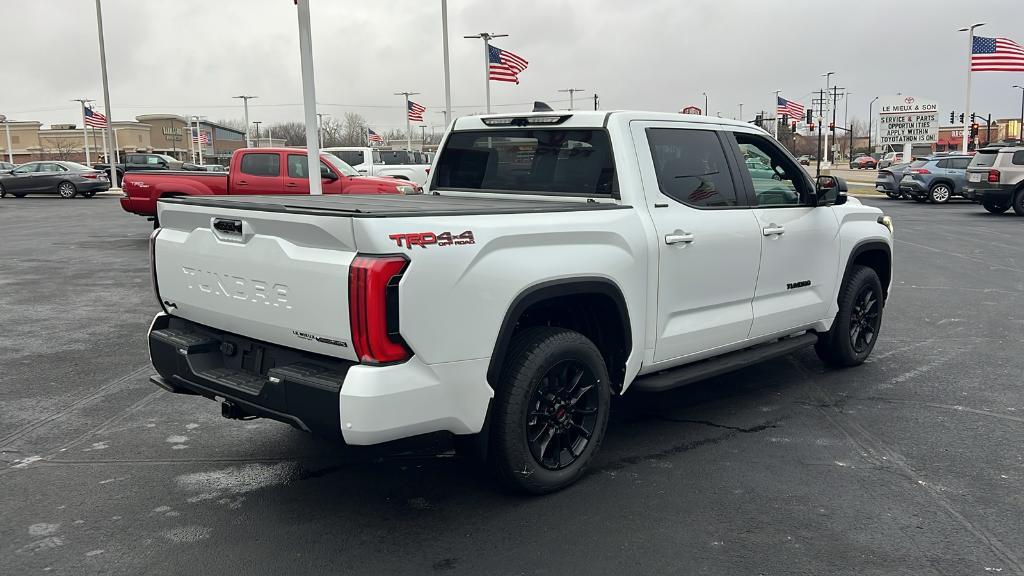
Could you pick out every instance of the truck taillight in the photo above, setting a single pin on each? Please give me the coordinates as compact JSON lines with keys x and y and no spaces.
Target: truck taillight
{"x":373,"y":308}
{"x":152,"y":266}
{"x":993,"y":176}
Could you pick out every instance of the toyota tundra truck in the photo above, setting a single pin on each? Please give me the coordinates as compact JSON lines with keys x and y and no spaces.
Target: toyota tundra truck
{"x":557,"y":259}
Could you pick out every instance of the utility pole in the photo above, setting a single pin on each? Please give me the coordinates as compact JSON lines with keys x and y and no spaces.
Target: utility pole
{"x":106,"y":92}
{"x":571,"y":92}
{"x":85,"y":129}
{"x":741,"y":112}
{"x":245,"y":107}
{"x":487,"y":37}
{"x":595,"y":101}
{"x":967,"y":100}
{"x":824,"y":111}
{"x":408,"y":127}
{"x":846,"y":122}
{"x":835,"y":107}
{"x":320,"y":126}
{"x":776,"y":116}
{"x":309,"y":97}
{"x":257,"y":123}
{"x":821,"y":120}
{"x":707,"y":112}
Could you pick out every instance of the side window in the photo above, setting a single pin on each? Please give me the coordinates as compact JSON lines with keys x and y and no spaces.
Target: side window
{"x":777,"y":181}
{"x":376,"y":157}
{"x":261,"y":164}
{"x":962,"y":163}
{"x":152,"y":160}
{"x":691,"y":167}
{"x":136,"y":159}
{"x":1018,"y":158}
{"x":27,"y":169}
{"x":298,"y":167}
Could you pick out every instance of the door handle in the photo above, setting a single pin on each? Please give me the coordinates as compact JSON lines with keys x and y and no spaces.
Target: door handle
{"x":291,"y":185}
{"x":684,"y":238}
{"x":242,"y":183}
{"x":773,"y":230}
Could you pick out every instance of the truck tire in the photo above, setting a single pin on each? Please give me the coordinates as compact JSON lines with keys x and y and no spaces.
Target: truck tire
{"x":994,"y":208}
{"x":1018,"y":202}
{"x":855,"y":330}
{"x":550,"y":411}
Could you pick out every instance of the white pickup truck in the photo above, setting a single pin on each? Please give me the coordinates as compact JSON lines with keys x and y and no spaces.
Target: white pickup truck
{"x":368,"y":161}
{"x":558,"y":259}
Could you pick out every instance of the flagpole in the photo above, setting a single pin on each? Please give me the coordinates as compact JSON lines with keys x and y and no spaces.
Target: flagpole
{"x":486,"y":37}
{"x":776,"y":115}
{"x":967,"y":99}
{"x":85,"y":129}
{"x":408,"y":127}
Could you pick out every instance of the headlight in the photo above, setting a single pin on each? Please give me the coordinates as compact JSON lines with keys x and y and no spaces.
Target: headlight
{"x":406,"y":190}
{"x":887,"y":222}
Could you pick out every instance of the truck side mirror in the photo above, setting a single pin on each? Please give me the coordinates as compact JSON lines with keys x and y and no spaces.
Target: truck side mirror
{"x":830,"y":189}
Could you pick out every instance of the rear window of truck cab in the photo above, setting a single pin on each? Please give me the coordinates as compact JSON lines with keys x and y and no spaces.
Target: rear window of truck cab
{"x":984,"y":158}
{"x":574,"y":162}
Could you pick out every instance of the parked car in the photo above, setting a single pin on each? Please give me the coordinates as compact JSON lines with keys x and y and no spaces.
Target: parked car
{"x":134,"y":162}
{"x":401,"y":164}
{"x":995,"y":179}
{"x":66,"y":179}
{"x":806,"y":159}
{"x":7,"y":166}
{"x":558,"y":260}
{"x":890,"y":158}
{"x":864,"y":161}
{"x":254,"y":171}
{"x":935,"y":179}
{"x":888,"y":180}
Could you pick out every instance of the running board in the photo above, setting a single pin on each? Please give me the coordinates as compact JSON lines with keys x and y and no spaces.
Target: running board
{"x":689,"y":373}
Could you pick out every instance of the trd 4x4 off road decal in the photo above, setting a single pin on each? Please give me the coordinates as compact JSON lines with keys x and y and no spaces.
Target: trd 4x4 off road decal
{"x":424,"y":239}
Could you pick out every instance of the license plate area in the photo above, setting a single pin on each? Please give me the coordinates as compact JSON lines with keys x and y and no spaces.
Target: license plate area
{"x":974,"y":177}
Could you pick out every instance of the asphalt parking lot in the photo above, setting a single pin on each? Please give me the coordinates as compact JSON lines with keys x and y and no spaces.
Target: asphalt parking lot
{"x":910,"y":464}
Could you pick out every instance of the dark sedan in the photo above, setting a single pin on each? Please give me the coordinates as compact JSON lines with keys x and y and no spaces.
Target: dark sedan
{"x":888,"y":180}
{"x":66,"y":179}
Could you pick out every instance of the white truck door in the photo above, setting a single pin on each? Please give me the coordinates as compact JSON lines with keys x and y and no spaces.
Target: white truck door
{"x":709,"y":243}
{"x":800,"y":243}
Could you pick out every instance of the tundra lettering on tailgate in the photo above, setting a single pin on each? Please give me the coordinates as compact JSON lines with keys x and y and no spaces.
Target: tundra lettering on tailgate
{"x":237,"y":287}
{"x":424,"y":239}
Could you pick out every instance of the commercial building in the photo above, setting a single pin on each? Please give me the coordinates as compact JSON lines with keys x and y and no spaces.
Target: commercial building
{"x":160,"y":133}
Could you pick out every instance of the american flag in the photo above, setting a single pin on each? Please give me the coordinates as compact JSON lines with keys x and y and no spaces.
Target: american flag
{"x":416,"y":111}
{"x":94,"y":118}
{"x":789,"y":107}
{"x":200,"y":137}
{"x":504,"y":65}
{"x":372,"y":136}
{"x":996,"y":55}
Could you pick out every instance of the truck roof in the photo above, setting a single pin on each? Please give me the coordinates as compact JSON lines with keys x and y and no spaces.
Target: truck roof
{"x":599,"y":119}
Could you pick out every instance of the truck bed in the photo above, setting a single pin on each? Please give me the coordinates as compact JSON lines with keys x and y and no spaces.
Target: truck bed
{"x":386,"y":206}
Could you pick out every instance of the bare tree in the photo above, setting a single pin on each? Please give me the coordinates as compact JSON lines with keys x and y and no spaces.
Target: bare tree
{"x":333,"y":132}
{"x":59,"y":148}
{"x":354,"y":131}
{"x":233,"y":123}
{"x":293,"y":133}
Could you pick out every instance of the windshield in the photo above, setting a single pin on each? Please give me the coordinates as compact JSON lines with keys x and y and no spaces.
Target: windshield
{"x":984,"y":158}
{"x":168,"y":159}
{"x":525,"y":161}
{"x":340,"y":165}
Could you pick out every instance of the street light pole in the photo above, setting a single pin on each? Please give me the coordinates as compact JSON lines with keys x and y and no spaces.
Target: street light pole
{"x":825,"y":111}
{"x":408,"y":127}
{"x":871,"y":120}
{"x":741,"y":112}
{"x":320,"y":126}
{"x":257,"y":124}
{"x":1020,"y":131}
{"x":776,"y":115}
{"x":967,"y":100}
{"x":487,"y":37}
{"x":245,"y":106}
{"x":571,"y":92}
{"x":447,"y":73}
{"x":706,"y":111}
{"x":106,"y":93}
{"x":309,"y":97}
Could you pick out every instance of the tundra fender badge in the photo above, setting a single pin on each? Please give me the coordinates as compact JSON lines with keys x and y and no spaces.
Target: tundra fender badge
{"x":800,"y":284}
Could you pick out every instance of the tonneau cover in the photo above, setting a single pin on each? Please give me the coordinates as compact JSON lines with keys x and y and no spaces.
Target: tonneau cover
{"x":385,"y":205}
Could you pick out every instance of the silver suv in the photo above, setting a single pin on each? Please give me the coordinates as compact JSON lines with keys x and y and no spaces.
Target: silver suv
{"x":995,"y":179}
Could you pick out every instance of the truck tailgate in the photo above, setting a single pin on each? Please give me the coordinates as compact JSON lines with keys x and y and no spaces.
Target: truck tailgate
{"x":277,"y":277}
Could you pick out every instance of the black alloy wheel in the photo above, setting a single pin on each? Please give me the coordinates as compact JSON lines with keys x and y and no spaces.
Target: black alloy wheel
{"x":562,"y":417}
{"x":865,"y":319}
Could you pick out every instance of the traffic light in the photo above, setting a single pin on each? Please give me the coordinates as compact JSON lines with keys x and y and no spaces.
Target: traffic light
{"x":973,"y":121}
{"x":785,"y":118}
{"x":961,"y":117}
{"x":793,"y":127}
{"x":810,"y":126}
{"x":810,"y":118}
{"x":974,"y":128}
{"x":832,"y":126}
{"x":952,"y":117}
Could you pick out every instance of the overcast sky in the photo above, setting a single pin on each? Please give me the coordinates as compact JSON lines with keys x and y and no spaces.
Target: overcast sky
{"x":191,"y":56}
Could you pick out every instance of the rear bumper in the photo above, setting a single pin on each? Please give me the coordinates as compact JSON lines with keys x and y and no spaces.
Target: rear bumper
{"x":327,"y":396}
{"x":993,"y":193}
{"x":913,"y":187}
{"x":140,"y":206}
{"x":886,"y":185}
{"x":93,"y":185}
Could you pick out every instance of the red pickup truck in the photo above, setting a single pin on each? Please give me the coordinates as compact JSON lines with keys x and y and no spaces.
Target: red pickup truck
{"x":254,"y":171}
